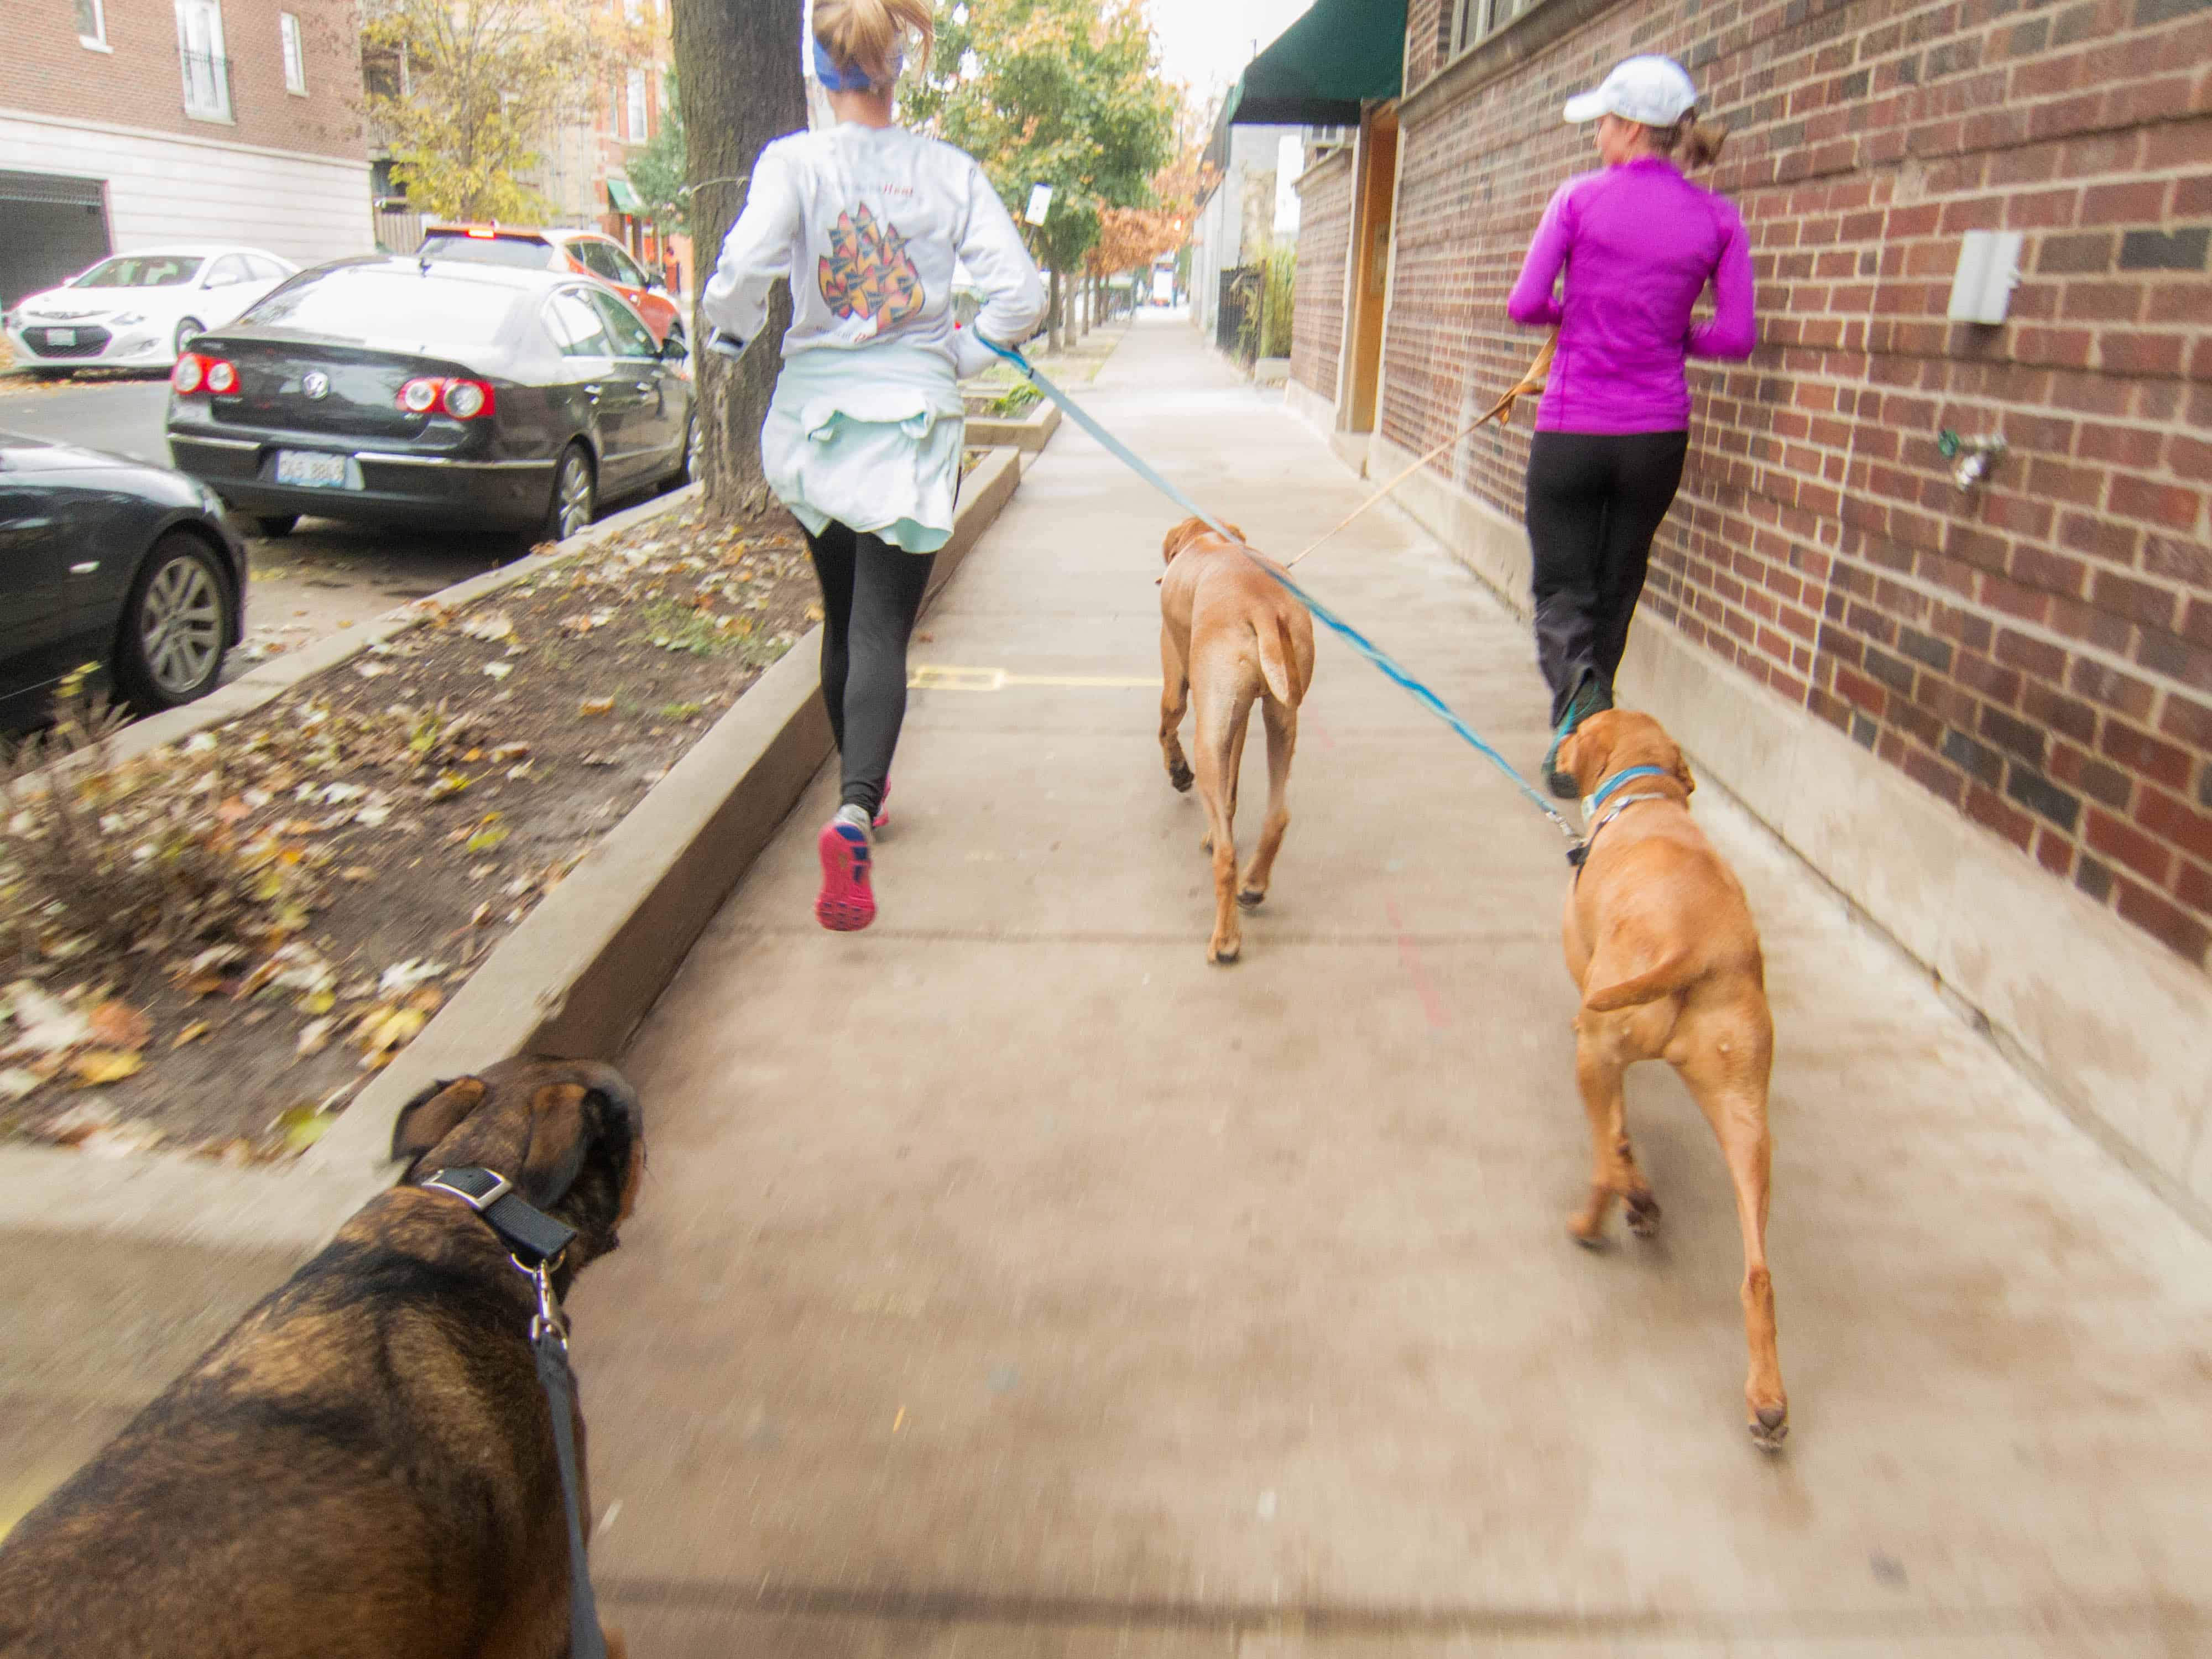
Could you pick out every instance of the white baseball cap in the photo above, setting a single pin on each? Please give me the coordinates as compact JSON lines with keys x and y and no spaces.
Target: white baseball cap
{"x":1655,"y":91}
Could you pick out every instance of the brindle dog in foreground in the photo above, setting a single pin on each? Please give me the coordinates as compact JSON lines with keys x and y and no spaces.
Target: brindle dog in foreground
{"x":365,"y":1465}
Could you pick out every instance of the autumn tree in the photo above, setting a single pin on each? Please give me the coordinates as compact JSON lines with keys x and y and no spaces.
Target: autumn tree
{"x":1132,"y":239}
{"x":1062,"y":93}
{"x":659,"y":173}
{"x":484,"y":80}
{"x":736,"y":66}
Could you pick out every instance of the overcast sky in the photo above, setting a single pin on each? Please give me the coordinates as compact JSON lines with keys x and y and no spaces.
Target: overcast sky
{"x":1208,"y":42}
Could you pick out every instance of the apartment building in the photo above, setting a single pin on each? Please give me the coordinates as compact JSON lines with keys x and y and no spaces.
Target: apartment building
{"x":128,"y":123}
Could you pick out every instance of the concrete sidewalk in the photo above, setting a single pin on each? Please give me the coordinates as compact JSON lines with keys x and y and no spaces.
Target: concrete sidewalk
{"x":1007,"y":1280}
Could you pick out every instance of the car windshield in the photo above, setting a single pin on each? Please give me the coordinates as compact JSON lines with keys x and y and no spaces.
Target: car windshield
{"x":525,"y":252}
{"x":142,"y":271}
{"x":376,"y":303}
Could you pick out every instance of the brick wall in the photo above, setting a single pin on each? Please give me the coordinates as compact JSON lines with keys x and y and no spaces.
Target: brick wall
{"x":1325,"y":202}
{"x":2038,"y":654}
{"x":138,"y":84}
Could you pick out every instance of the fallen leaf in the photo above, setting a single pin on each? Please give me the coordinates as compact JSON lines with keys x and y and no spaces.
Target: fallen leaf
{"x":116,"y":1025}
{"x":318,"y":1002}
{"x":98,"y":1066}
{"x":448,"y":783}
{"x":499,"y":670}
{"x":314,"y":1037}
{"x":389,"y":1032}
{"x":16,"y":1083}
{"x":484,"y":840}
{"x":301,"y":1127}
{"x":496,"y":626}
{"x":356,"y":873}
{"x":192,"y":1033}
{"x":596,"y":706}
{"x":508,"y":751}
{"x":44,"y":1024}
{"x":405,"y":976}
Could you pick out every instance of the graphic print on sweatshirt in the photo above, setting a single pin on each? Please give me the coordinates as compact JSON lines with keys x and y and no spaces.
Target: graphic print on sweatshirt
{"x":867,"y":275}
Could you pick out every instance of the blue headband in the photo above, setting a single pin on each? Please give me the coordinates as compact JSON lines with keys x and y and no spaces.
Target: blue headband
{"x":850,"y":78}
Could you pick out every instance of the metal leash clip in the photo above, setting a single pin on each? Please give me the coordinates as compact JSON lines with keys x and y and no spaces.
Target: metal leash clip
{"x":549,"y":1320}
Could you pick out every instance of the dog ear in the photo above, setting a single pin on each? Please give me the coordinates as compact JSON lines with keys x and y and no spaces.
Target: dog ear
{"x":1682,"y":773}
{"x":1176,"y":538}
{"x":557,"y":1141}
{"x":1238,"y":530}
{"x":432,"y":1115}
{"x":1569,"y":759}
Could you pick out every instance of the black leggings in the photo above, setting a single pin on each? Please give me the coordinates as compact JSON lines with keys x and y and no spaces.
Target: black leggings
{"x":872,"y":591}
{"x":1595,"y":502}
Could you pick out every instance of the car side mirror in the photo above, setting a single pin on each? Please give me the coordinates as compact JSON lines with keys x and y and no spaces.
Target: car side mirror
{"x":673,"y":350}
{"x":654,"y":285}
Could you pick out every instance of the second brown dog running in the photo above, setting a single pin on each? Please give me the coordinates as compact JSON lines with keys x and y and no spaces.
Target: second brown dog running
{"x":1230,"y":637}
{"x":1659,"y":936}
{"x":364,"y":1467}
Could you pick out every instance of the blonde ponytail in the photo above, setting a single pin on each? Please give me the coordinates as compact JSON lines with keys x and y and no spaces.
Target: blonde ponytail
{"x":1699,"y":141}
{"x":868,"y":35}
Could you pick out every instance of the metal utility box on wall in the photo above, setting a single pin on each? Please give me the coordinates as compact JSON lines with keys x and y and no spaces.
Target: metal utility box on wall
{"x":1989,"y":270}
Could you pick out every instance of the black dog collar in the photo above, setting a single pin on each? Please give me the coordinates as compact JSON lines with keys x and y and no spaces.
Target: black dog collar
{"x":535,"y":1237}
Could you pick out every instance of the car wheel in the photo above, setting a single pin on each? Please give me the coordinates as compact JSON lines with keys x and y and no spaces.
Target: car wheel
{"x":274,"y":525}
{"x":571,"y":509}
{"x":186,"y":330}
{"x":176,"y":625}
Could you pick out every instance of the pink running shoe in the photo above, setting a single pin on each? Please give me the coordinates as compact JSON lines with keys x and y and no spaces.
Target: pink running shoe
{"x":884,"y":807}
{"x":847,"y":903}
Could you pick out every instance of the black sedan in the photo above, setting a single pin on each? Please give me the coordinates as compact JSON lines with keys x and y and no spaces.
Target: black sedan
{"x":418,"y":391}
{"x":110,"y":563}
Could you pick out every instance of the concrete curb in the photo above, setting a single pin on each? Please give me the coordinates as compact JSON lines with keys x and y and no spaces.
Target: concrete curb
{"x":1029,"y":433}
{"x":574,"y":978}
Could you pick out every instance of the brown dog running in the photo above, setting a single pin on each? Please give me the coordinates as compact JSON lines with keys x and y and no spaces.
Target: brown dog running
{"x":1230,"y":637}
{"x":1659,"y":936}
{"x":364,"y":1467}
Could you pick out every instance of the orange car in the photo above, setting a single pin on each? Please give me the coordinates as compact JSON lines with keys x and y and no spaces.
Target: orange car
{"x":583,"y":250}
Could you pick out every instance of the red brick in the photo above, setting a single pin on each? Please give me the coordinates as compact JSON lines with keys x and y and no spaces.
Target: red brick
{"x":2131,"y":203}
{"x":2126,"y":353}
{"x":2124,"y":843}
{"x":2164,"y":920}
{"x":2138,"y":601}
{"x":2169,"y":505}
{"x":2141,"y":752}
{"x":2171,"y":820}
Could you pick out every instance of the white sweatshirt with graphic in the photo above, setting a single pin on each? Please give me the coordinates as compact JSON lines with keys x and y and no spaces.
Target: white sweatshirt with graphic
{"x":868,"y":224}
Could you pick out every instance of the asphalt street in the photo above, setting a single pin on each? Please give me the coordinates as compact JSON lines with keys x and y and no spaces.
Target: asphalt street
{"x":323,"y":577}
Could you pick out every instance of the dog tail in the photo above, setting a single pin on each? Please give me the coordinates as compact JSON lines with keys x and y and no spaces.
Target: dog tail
{"x":1278,"y":661}
{"x":1662,"y":978}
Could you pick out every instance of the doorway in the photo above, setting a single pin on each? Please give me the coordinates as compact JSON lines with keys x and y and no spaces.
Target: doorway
{"x":1374,"y":210}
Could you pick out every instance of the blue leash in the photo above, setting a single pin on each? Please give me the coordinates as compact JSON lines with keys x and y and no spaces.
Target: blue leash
{"x":1352,"y":636}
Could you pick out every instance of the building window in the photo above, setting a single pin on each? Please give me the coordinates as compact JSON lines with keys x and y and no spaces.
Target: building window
{"x":295,"y":54}
{"x":635,"y":101}
{"x":91,"y":25}
{"x":1473,"y":19}
{"x":207,"y":71}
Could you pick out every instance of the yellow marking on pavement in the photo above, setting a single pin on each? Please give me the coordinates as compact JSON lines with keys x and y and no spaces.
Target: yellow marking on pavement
{"x":945,"y":676}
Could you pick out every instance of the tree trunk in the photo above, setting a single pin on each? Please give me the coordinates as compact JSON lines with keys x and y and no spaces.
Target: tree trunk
{"x":737,"y":72}
{"x":1058,"y":339}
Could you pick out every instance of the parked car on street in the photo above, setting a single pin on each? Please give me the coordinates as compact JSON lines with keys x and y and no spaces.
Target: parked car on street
{"x":409,"y":391}
{"x":109,"y":562}
{"x":583,"y":251}
{"x":137,"y":310}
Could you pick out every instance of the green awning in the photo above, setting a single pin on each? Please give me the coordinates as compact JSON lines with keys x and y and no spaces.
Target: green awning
{"x":622,"y":196}
{"x":1322,"y":69}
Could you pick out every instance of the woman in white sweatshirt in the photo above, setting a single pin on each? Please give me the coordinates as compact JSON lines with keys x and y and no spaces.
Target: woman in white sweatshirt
{"x":863,"y":438}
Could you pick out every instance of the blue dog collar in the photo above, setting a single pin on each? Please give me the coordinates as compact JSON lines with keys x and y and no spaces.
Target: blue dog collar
{"x":1605,"y":791}
{"x":850,"y":78}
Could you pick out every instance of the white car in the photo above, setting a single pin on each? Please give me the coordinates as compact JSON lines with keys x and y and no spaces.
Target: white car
{"x":137,"y":310}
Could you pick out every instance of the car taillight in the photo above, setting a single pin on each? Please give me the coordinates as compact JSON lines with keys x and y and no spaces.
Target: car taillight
{"x":196,"y":372}
{"x":463,"y":400}
{"x":466,"y":400}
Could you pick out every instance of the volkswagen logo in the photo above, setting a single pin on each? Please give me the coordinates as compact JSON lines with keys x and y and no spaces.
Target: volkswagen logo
{"x":316,"y":384}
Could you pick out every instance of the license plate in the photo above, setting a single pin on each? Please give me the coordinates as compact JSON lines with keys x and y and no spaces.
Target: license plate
{"x":318,"y":472}
{"x":61,"y":337}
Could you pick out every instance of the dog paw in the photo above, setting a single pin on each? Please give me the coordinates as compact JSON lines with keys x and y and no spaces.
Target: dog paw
{"x":1589,"y":1234}
{"x":1182,"y":777}
{"x":1770,"y":1426}
{"x":1252,"y":897}
{"x":1222,"y":956}
{"x":1642,"y":1211}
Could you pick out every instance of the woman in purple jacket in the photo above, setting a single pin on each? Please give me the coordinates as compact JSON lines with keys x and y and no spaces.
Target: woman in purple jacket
{"x":1638,"y":243}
